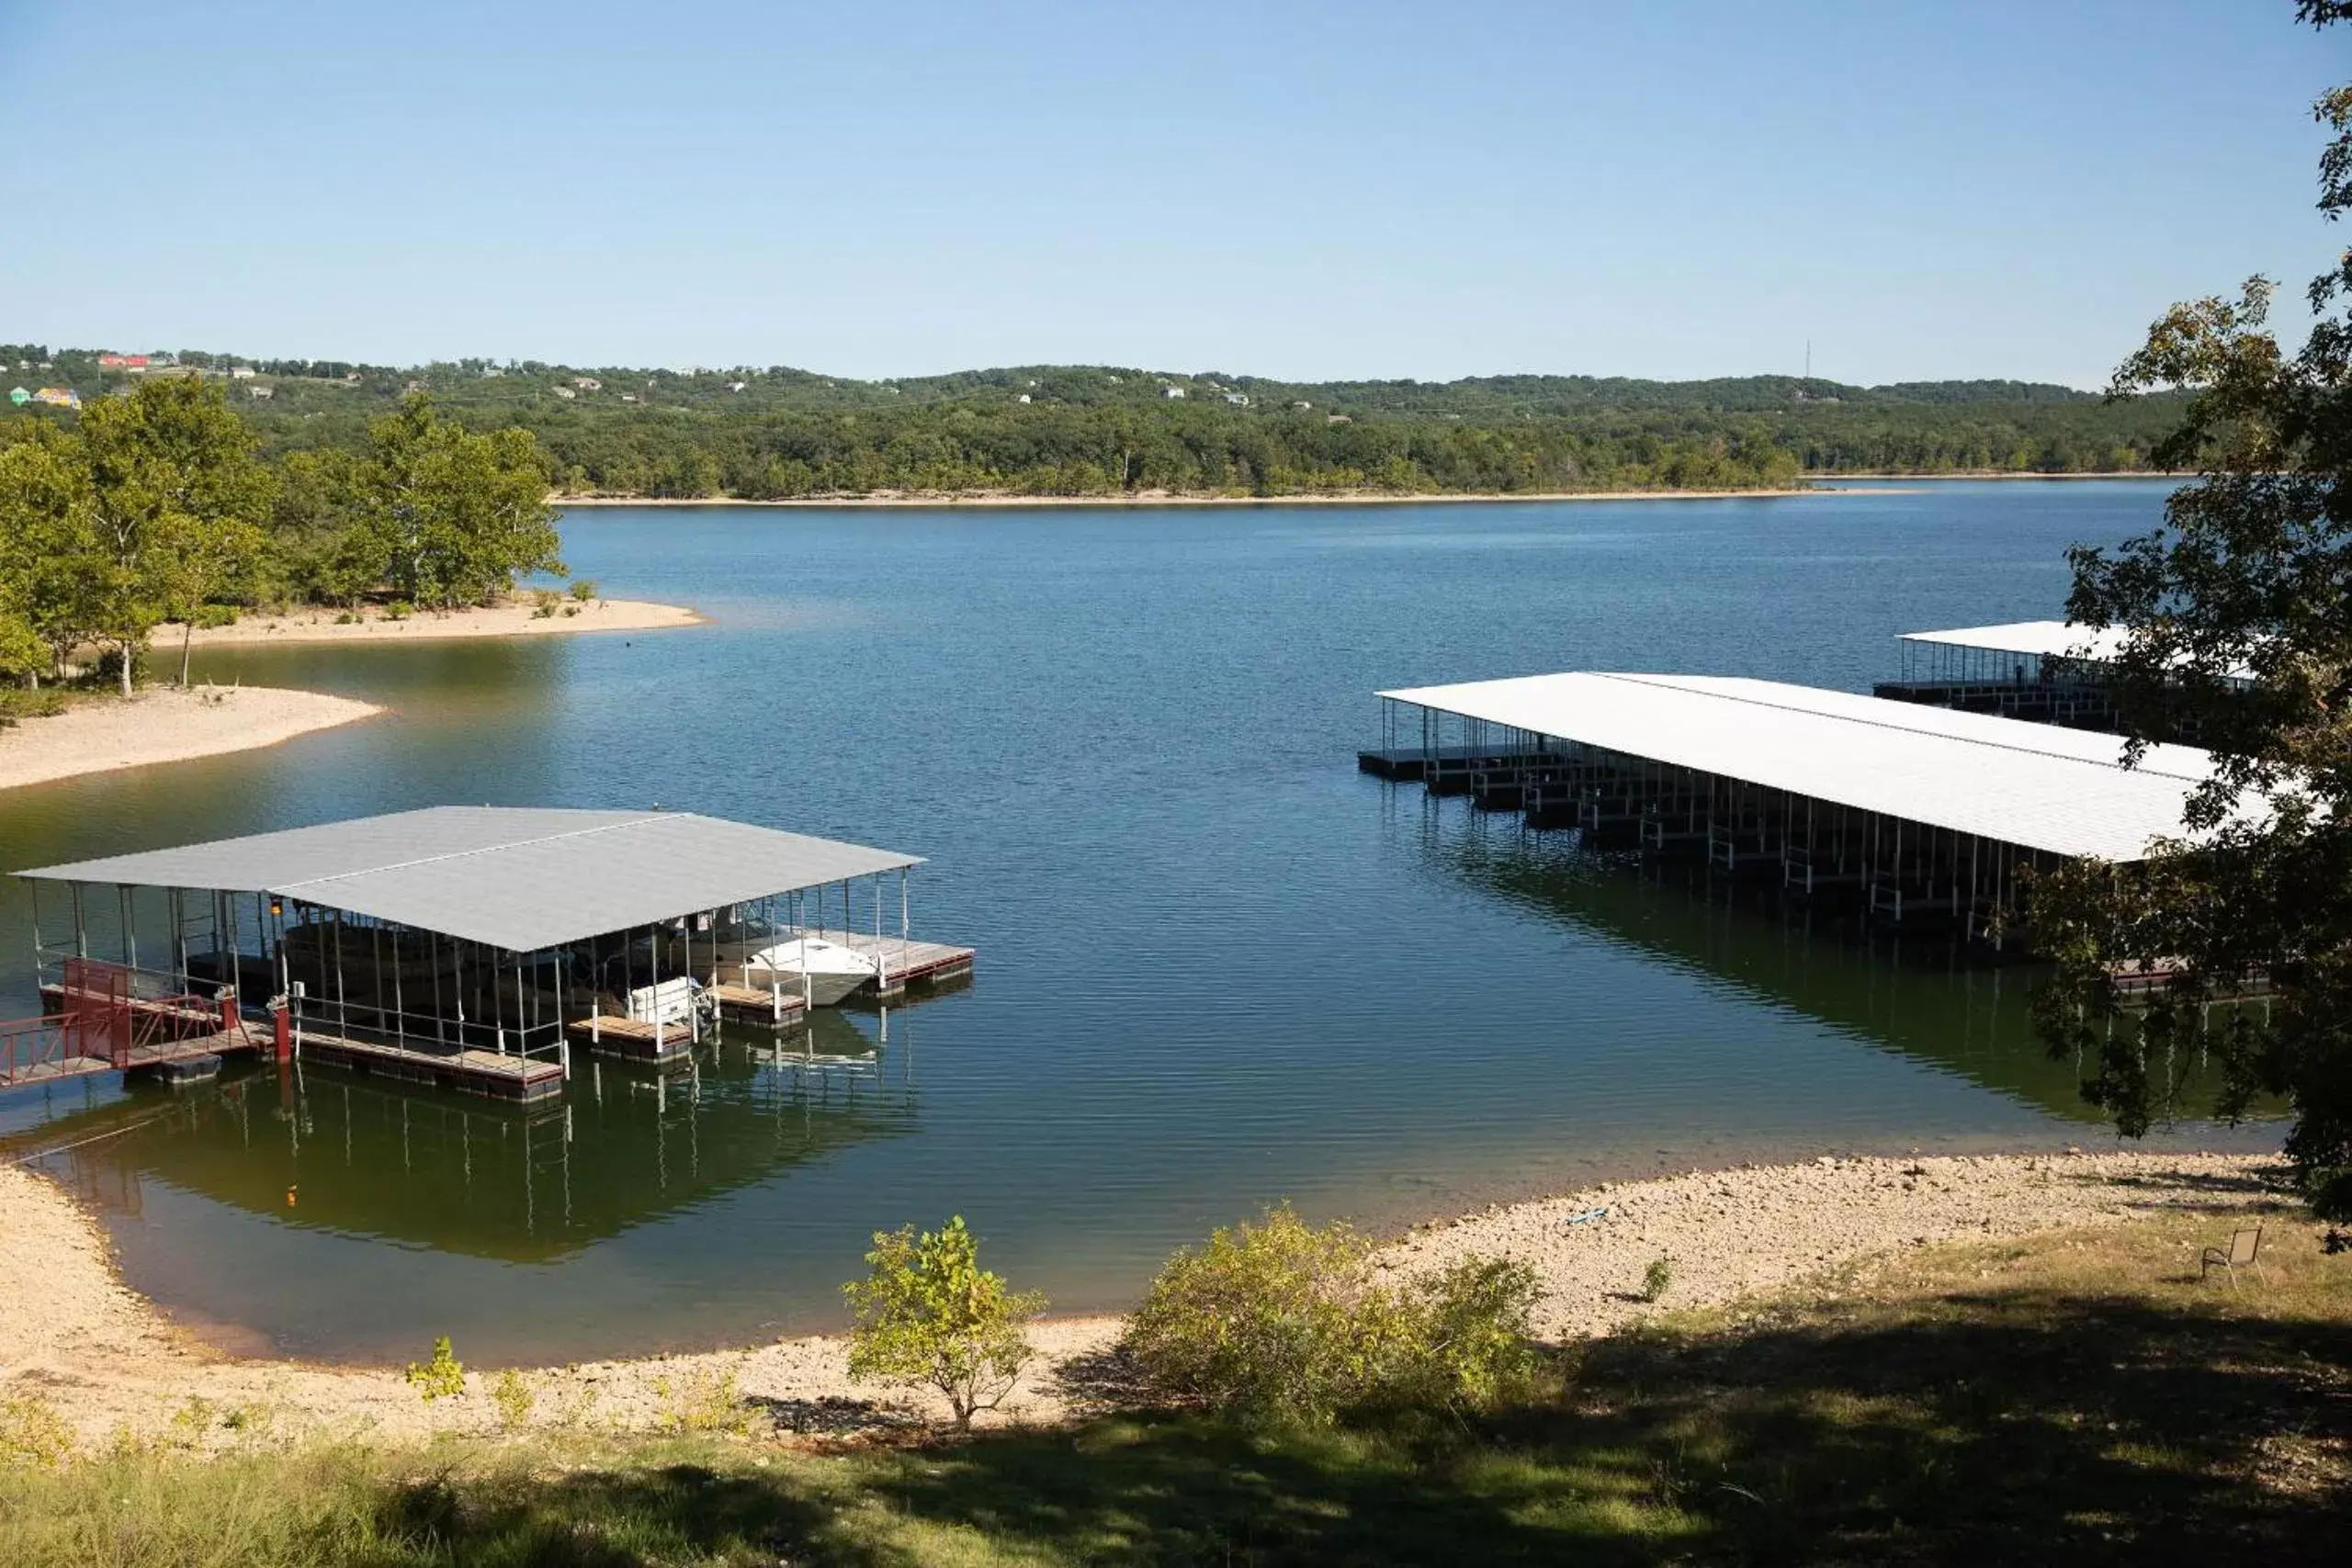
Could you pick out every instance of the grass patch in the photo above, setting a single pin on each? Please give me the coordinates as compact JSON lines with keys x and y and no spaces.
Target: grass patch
{"x":2078,"y":1397}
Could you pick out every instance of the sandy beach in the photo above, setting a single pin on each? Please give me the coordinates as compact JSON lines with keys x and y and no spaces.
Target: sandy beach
{"x":515,"y":619}
{"x":164,"y":726}
{"x":72,"y":1332}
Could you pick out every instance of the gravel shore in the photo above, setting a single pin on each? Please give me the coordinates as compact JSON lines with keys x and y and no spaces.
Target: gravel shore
{"x":71,"y":1331}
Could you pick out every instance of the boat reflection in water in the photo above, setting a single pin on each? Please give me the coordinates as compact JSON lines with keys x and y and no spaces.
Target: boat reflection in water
{"x":328,"y":1151}
{"x":1953,"y":1009}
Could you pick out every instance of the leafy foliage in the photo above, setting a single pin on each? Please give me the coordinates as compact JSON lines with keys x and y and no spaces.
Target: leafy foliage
{"x":927,"y":1312}
{"x":158,"y":505}
{"x":1284,"y":1319}
{"x":443,"y":1376}
{"x":513,"y":1398}
{"x":2239,"y":620}
{"x":32,"y":1432}
{"x":781,"y":432}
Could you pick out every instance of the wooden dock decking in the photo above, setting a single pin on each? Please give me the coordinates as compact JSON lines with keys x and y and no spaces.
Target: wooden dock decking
{"x":470,"y":1070}
{"x":905,"y":963}
{"x":754,"y":1004}
{"x":610,"y":1034}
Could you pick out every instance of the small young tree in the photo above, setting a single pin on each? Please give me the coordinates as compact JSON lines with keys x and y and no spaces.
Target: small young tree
{"x":927,"y":1312}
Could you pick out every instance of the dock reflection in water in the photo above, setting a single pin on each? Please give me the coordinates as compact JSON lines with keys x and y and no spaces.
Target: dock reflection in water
{"x":1925,"y":997}
{"x":457,"y":1177}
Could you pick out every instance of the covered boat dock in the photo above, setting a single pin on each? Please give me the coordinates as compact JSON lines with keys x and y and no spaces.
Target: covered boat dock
{"x":473,"y":947}
{"x":1915,"y":813}
{"x":2046,"y":672}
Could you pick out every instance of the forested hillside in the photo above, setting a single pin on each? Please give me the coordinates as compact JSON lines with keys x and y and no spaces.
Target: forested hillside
{"x":1082,"y":430}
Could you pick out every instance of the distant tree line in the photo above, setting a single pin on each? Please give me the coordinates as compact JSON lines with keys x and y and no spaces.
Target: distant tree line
{"x":161,"y":505}
{"x":780,"y":432}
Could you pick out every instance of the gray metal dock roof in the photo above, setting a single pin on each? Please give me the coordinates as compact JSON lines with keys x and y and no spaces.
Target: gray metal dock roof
{"x":515,"y":877}
{"x":2037,"y":785}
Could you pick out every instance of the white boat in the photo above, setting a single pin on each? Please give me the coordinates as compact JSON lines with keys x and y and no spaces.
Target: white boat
{"x":825,"y":972}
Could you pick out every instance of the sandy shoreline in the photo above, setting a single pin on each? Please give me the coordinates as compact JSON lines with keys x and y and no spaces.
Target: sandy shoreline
{"x":1819,"y":484}
{"x":1157,"y":498}
{"x":72,"y":1332}
{"x":518,"y":619}
{"x":165,"y":726}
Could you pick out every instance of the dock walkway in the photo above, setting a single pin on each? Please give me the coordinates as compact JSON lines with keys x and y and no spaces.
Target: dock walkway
{"x":470,"y":1070}
{"x":905,"y":963}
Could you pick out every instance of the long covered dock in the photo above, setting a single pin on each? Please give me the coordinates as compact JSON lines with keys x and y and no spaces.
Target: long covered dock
{"x":471,"y":947}
{"x":1914,"y":812}
{"x":2047,"y":672}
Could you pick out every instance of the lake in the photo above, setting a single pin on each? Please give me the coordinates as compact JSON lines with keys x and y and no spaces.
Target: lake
{"x":1218,"y":967}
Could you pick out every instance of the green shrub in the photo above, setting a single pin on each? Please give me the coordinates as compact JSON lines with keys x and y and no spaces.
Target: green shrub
{"x":927,"y":1312}
{"x":32,"y":1433}
{"x":513,"y":1398}
{"x":702,"y":1402}
{"x":1478,"y":1325}
{"x":443,"y":1376}
{"x":215,"y":616}
{"x":399,"y":610}
{"x":543,"y":603}
{"x":1656,"y":1279}
{"x":1284,"y":1319}
{"x":19,"y":702}
{"x":583,"y":589}
{"x":347,"y":619}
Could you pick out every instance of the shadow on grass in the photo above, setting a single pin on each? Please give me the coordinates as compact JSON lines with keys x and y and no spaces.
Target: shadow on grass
{"x":1999,"y":1427}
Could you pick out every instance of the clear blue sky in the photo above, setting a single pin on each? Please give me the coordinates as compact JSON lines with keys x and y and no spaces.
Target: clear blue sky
{"x":1310,"y":190}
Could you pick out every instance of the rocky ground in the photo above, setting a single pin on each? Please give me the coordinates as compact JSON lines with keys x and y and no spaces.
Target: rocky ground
{"x":73,"y":1334}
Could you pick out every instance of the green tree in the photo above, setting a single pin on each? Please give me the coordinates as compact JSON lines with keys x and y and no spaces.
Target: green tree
{"x":177,"y":493}
{"x":928,"y":1312}
{"x":318,"y":550}
{"x":51,"y":565}
{"x":2239,"y":619}
{"x":455,"y":516}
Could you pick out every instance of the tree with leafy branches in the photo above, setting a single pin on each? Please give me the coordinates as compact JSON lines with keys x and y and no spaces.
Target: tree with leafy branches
{"x":2238,"y":620}
{"x":927,"y":1312}
{"x":52,"y":565}
{"x":178,"y":494}
{"x":455,"y":516}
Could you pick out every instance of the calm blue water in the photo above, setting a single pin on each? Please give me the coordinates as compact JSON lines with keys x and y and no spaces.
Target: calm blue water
{"x":1218,"y":967}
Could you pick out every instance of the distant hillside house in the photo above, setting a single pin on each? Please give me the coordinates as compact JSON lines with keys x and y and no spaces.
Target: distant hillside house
{"x":629,"y":397}
{"x":258,"y":391}
{"x":119,"y":362}
{"x":1024,"y":397}
{"x":1302,"y":403}
{"x":566,"y":393}
{"x":492,"y":372}
{"x":1239,"y":400}
{"x":59,"y":397}
{"x":1338,"y":419}
{"x":588,"y":383}
{"x":241,"y":373}
{"x":736,"y":386}
{"x":1171,"y":391}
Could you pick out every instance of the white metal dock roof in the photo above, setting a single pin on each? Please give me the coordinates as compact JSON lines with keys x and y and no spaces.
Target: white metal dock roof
{"x":519,"y":878}
{"x":2035,"y":785}
{"x":2043,"y":639}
